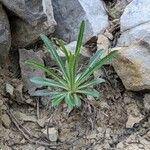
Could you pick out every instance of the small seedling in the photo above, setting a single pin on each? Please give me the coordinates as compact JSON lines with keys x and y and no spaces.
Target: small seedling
{"x":72,"y":85}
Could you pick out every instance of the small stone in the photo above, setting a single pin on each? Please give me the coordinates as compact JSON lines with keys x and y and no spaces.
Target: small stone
{"x":92,"y":135}
{"x":53,"y":134}
{"x":24,"y":117}
{"x":9,"y":89}
{"x":1,"y":102}
{"x":132,"y":120}
{"x":120,"y":146}
{"x":103,"y":42}
{"x":6,"y":120}
{"x":147,"y":101}
{"x":41,"y":148}
{"x":29,"y":101}
{"x":3,"y":107}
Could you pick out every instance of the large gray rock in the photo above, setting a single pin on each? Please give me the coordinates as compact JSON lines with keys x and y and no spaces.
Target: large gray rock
{"x":29,"y":10}
{"x":132,"y":64}
{"x":5,"y":37}
{"x":27,"y":71}
{"x":24,"y":34}
{"x":133,"y":67}
{"x":135,"y":14}
{"x":69,"y":15}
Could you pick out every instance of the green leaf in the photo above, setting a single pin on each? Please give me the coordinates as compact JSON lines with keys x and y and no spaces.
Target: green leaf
{"x":93,"y":93}
{"x":96,"y":66}
{"x":94,"y":59}
{"x":70,"y":102}
{"x":91,"y":83}
{"x":47,"y":82}
{"x":54,"y":53}
{"x":45,"y":69}
{"x":79,"y":42}
{"x":44,"y":92}
{"x":71,"y":71}
{"x":77,"y":100}
{"x":58,"y":100}
{"x":62,"y":46}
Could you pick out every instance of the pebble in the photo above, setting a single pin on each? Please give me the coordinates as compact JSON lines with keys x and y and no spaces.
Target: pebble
{"x":6,"y":120}
{"x":53,"y":134}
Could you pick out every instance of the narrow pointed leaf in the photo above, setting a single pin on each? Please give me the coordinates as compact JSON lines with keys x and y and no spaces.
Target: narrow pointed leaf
{"x":96,"y":66}
{"x":79,"y":44}
{"x":57,"y":101}
{"x":44,"y":92}
{"x":70,"y":102}
{"x":45,"y":69}
{"x":77,"y":100}
{"x":46,"y":82}
{"x":91,"y":83}
{"x":54,"y":53}
{"x":62,"y":46}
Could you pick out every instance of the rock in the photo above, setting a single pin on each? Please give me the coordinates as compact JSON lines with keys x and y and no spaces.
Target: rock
{"x":133,"y":62}
{"x":6,"y":120}
{"x":9,"y":89}
{"x":132,"y":66}
{"x":92,"y":12}
{"x":103,"y":42}
{"x":147,"y":102}
{"x":27,"y":71}
{"x":5,"y":37}
{"x":134,"y":115}
{"x":24,"y":117}
{"x":29,"y":10}
{"x":18,"y":93}
{"x":1,"y":103}
{"x":132,"y":120}
{"x":24,"y":34}
{"x":130,"y":17}
{"x":41,"y":148}
{"x":52,"y":134}
{"x":135,"y":35}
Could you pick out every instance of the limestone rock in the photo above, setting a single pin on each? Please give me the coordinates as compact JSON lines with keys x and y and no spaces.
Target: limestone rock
{"x":133,"y":62}
{"x":24,"y":34}
{"x":69,"y":15}
{"x":130,"y":17}
{"x":132,"y":66}
{"x":135,"y":35}
{"x":5,"y":37}
{"x":27,"y":71}
{"x":30,"y":11}
{"x":103,"y":42}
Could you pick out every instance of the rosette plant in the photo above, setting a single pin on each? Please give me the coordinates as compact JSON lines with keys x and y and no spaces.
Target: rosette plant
{"x":70,"y":85}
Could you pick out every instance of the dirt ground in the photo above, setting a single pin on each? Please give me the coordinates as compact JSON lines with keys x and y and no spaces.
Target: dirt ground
{"x":119,"y":120}
{"x":101,"y":125}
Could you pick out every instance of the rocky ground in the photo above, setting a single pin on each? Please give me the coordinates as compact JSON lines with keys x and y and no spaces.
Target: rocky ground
{"x":119,"y":119}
